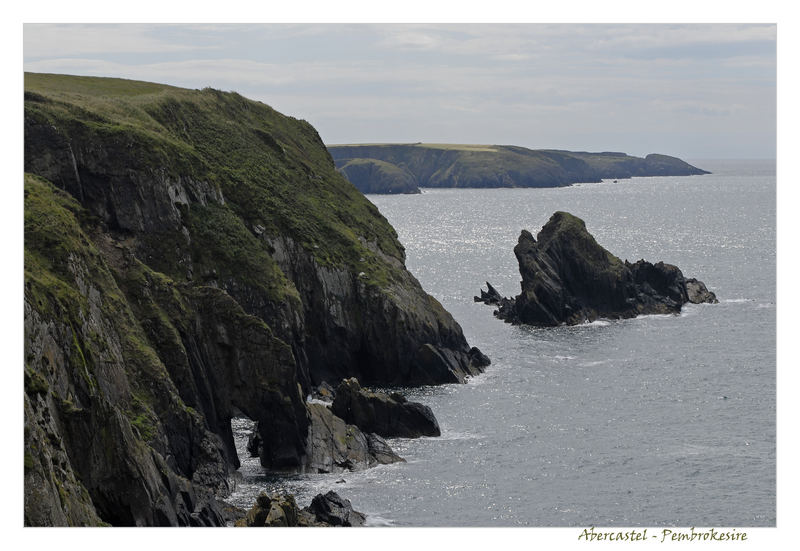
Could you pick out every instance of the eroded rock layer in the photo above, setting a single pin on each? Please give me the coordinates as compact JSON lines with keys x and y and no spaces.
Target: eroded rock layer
{"x":191,"y":254}
{"x":568,"y":278}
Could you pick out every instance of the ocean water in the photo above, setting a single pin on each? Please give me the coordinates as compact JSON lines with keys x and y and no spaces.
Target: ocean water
{"x":658,"y":420}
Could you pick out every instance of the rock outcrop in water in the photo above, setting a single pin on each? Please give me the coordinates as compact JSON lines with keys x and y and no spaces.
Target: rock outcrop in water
{"x":404,"y":168}
{"x":335,"y":445}
{"x":567,"y":278}
{"x":389,"y":415}
{"x":191,"y":254}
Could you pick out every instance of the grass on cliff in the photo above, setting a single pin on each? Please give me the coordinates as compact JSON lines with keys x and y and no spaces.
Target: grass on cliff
{"x":63,"y":269}
{"x":459,"y":165}
{"x":274,"y":171}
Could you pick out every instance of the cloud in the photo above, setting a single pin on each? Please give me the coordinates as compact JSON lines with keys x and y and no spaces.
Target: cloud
{"x":474,"y":81}
{"x":45,"y":40}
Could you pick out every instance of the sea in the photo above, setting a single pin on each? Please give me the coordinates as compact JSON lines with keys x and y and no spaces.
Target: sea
{"x":665,"y":420}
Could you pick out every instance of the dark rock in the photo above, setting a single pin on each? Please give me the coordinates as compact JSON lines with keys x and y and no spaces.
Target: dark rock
{"x":334,"y":510}
{"x":335,"y":446}
{"x":281,"y":510}
{"x":254,"y":446}
{"x":568,"y":278}
{"x":324,"y":392}
{"x":380,"y":450}
{"x":162,"y":298}
{"x":489,"y":297}
{"x":383,"y":414}
{"x":231,"y":513}
{"x":271,"y":510}
{"x":478,"y":357}
{"x":697,"y":293}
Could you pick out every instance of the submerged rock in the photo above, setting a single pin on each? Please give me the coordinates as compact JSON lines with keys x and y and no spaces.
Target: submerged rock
{"x":389,"y":415}
{"x":568,"y":278}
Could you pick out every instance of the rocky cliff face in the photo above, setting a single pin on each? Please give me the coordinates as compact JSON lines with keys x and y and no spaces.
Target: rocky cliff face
{"x":568,"y":278}
{"x":401,"y":168}
{"x":189,"y":255}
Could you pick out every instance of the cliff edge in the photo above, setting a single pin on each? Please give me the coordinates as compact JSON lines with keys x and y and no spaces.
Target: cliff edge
{"x":192,"y":255}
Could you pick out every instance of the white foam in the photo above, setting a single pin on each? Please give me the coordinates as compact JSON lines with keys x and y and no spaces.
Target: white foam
{"x":456,"y":435}
{"x":311,"y":400}
{"x":689,"y":310}
{"x":377,"y":520}
{"x":595,"y":323}
{"x":737,"y":300}
{"x":654,"y":316}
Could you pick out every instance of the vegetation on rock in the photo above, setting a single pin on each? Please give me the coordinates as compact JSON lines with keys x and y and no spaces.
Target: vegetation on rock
{"x":403,"y":168}
{"x":190,"y":254}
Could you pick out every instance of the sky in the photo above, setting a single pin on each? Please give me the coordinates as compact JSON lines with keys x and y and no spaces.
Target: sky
{"x":697,"y":91}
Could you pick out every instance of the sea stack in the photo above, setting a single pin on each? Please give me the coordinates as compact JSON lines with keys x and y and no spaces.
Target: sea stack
{"x":568,"y":278}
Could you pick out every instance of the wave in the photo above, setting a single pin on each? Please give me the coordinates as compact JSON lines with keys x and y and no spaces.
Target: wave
{"x":595,"y":323}
{"x":645,"y":317}
{"x":446,"y":435}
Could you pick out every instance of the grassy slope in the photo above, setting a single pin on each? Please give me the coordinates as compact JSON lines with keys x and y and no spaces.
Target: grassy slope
{"x":380,"y":176}
{"x":459,"y":165}
{"x":269,"y":167}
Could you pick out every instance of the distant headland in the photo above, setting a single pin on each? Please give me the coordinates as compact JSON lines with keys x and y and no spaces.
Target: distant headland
{"x":404,"y":168}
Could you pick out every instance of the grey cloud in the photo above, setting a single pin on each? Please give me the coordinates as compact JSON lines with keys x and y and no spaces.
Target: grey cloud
{"x":594,"y":87}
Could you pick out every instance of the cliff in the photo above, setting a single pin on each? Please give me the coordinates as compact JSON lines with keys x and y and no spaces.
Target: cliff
{"x":189,"y":255}
{"x":568,"y":278}
{"x":403,"y":168}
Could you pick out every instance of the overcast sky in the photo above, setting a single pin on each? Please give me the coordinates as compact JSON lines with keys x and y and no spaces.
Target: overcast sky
{"x":694,"y":91}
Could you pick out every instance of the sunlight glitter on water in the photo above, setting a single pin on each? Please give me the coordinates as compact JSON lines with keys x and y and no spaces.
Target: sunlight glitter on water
{"x":655,"y":420}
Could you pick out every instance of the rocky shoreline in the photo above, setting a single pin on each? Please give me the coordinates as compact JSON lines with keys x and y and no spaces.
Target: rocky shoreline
{"x":567,"y":278}
{"x":190,"y":256}
{"x":349,"y":424}
{"x":280,"y":510}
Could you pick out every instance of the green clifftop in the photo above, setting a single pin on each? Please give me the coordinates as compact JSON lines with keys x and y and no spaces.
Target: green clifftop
{"x":406,"y":167}
{"x":192,"y":254}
